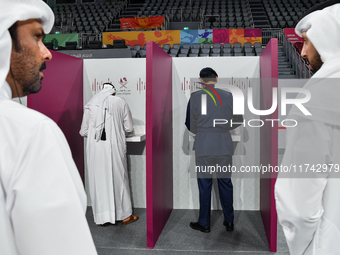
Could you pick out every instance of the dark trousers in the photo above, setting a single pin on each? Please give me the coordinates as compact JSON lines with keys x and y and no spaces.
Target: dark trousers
{"x":225,"y":188}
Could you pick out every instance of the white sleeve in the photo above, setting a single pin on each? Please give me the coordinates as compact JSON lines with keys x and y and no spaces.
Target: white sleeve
{"x":85,"y":124}
{"x":128,"y":123}
{"x":299,"y":200}
{"x":45,"y":196}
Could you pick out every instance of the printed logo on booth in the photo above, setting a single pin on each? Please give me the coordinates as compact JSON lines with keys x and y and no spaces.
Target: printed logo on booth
{"x":123,"y":82}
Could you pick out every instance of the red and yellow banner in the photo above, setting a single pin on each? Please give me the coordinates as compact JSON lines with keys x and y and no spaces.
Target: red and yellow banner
{"x":132,"y":38}
{"x":237,"y":35}
{"x":185,"y":36}
{"x":141,"y":23}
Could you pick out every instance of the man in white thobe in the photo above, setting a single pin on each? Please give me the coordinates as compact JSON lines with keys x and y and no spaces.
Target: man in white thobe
{"x":106,"y":156}
{"x":307,"y":201}
{"x":42,"y":199}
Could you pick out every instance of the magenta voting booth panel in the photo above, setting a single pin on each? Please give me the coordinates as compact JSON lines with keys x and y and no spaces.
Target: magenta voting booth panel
{"x":159,"y":172}
{"x":61,"y":99}
{"x":269,"y":141}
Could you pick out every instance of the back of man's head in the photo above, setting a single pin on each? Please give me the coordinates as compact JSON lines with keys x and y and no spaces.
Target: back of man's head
{"x":322,"y":29}
{"x":318,"y":7}
{"x":108,"y":85}
{"x":208,"y":74}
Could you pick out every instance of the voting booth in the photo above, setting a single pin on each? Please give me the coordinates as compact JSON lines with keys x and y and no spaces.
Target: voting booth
{"x":129,"y":79}
{"x":157,"y":90}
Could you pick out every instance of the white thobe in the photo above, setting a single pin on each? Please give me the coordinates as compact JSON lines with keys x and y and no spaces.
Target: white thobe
{"x":106,"y":161}
{"x":308,"y":208}
{"x":42,"y":199}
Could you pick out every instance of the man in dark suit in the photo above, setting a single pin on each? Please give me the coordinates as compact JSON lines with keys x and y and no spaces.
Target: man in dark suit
{"x":209,"y":116}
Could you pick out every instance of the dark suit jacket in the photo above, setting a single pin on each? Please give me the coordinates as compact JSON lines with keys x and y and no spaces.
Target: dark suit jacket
{"x":211,"y":140}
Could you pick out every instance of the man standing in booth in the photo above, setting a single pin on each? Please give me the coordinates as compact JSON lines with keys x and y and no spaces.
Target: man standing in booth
{"x":213,"y":145}
{"x":106,"y":122}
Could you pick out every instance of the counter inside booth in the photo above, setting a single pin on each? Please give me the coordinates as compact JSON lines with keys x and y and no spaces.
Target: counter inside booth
{"x":137,"y":135}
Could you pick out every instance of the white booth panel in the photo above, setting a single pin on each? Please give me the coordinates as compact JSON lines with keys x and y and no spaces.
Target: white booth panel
{"x":128,"y":76}
{"x":238,"y":71}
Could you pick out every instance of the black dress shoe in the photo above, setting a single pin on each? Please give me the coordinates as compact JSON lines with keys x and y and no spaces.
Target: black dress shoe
{"x":197,"y":226}
{"x":229,"y":226}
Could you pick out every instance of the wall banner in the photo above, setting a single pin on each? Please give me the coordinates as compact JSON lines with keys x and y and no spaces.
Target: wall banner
{"x":221,"y":36}
{"x":189,"y":36}
{"x":186,"y":36}
{"x":141,"y":23}
{"x":60,"y":39}
{"x":245,"y":35}
{"x":132,"y":38}
{"x":292,"y":36}
{"x":205,"y":36}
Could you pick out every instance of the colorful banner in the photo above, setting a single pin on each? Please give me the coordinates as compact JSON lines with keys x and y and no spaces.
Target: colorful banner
{"x":236,"y":35}
{"x":253,"y":35}
{"x":189,"y":36}
{"x":221,"y":36}
{"x":186,"y":36}
{"x":205,"y":36}
{"x":292,"y":36}
{"x":60,"y":39}
{"x":132,"y":38}
{"x":141,"y":23}
{"x":245,"y":35}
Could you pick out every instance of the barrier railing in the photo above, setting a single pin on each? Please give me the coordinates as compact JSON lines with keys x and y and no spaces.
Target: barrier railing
{"x":299,"y":65}
{"x":184,"y":14}
{"x":251,"y":14}
{"x":83,"y":38}
{"x":268,"y":33}
{"x":201,"y":17}
{"x":166,"y":24}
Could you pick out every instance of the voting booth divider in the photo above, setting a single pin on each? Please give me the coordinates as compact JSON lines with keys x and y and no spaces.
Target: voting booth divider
{"x":61,"y":99}
{"x":269,"y":141}
{"x":157,"y":90}
{"x":159,"y":170}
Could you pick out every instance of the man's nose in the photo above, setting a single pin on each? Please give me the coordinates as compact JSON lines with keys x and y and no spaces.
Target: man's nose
{"x":304,"y":51}
{"x":45,"y":53}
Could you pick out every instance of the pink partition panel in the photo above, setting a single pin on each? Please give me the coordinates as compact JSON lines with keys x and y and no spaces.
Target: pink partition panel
{"x":61,"y":99}
{"x":159,"y":188}
{"x":269,"y":141}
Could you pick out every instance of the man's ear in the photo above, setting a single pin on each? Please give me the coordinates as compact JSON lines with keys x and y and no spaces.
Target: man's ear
{"x":216,"y":79}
